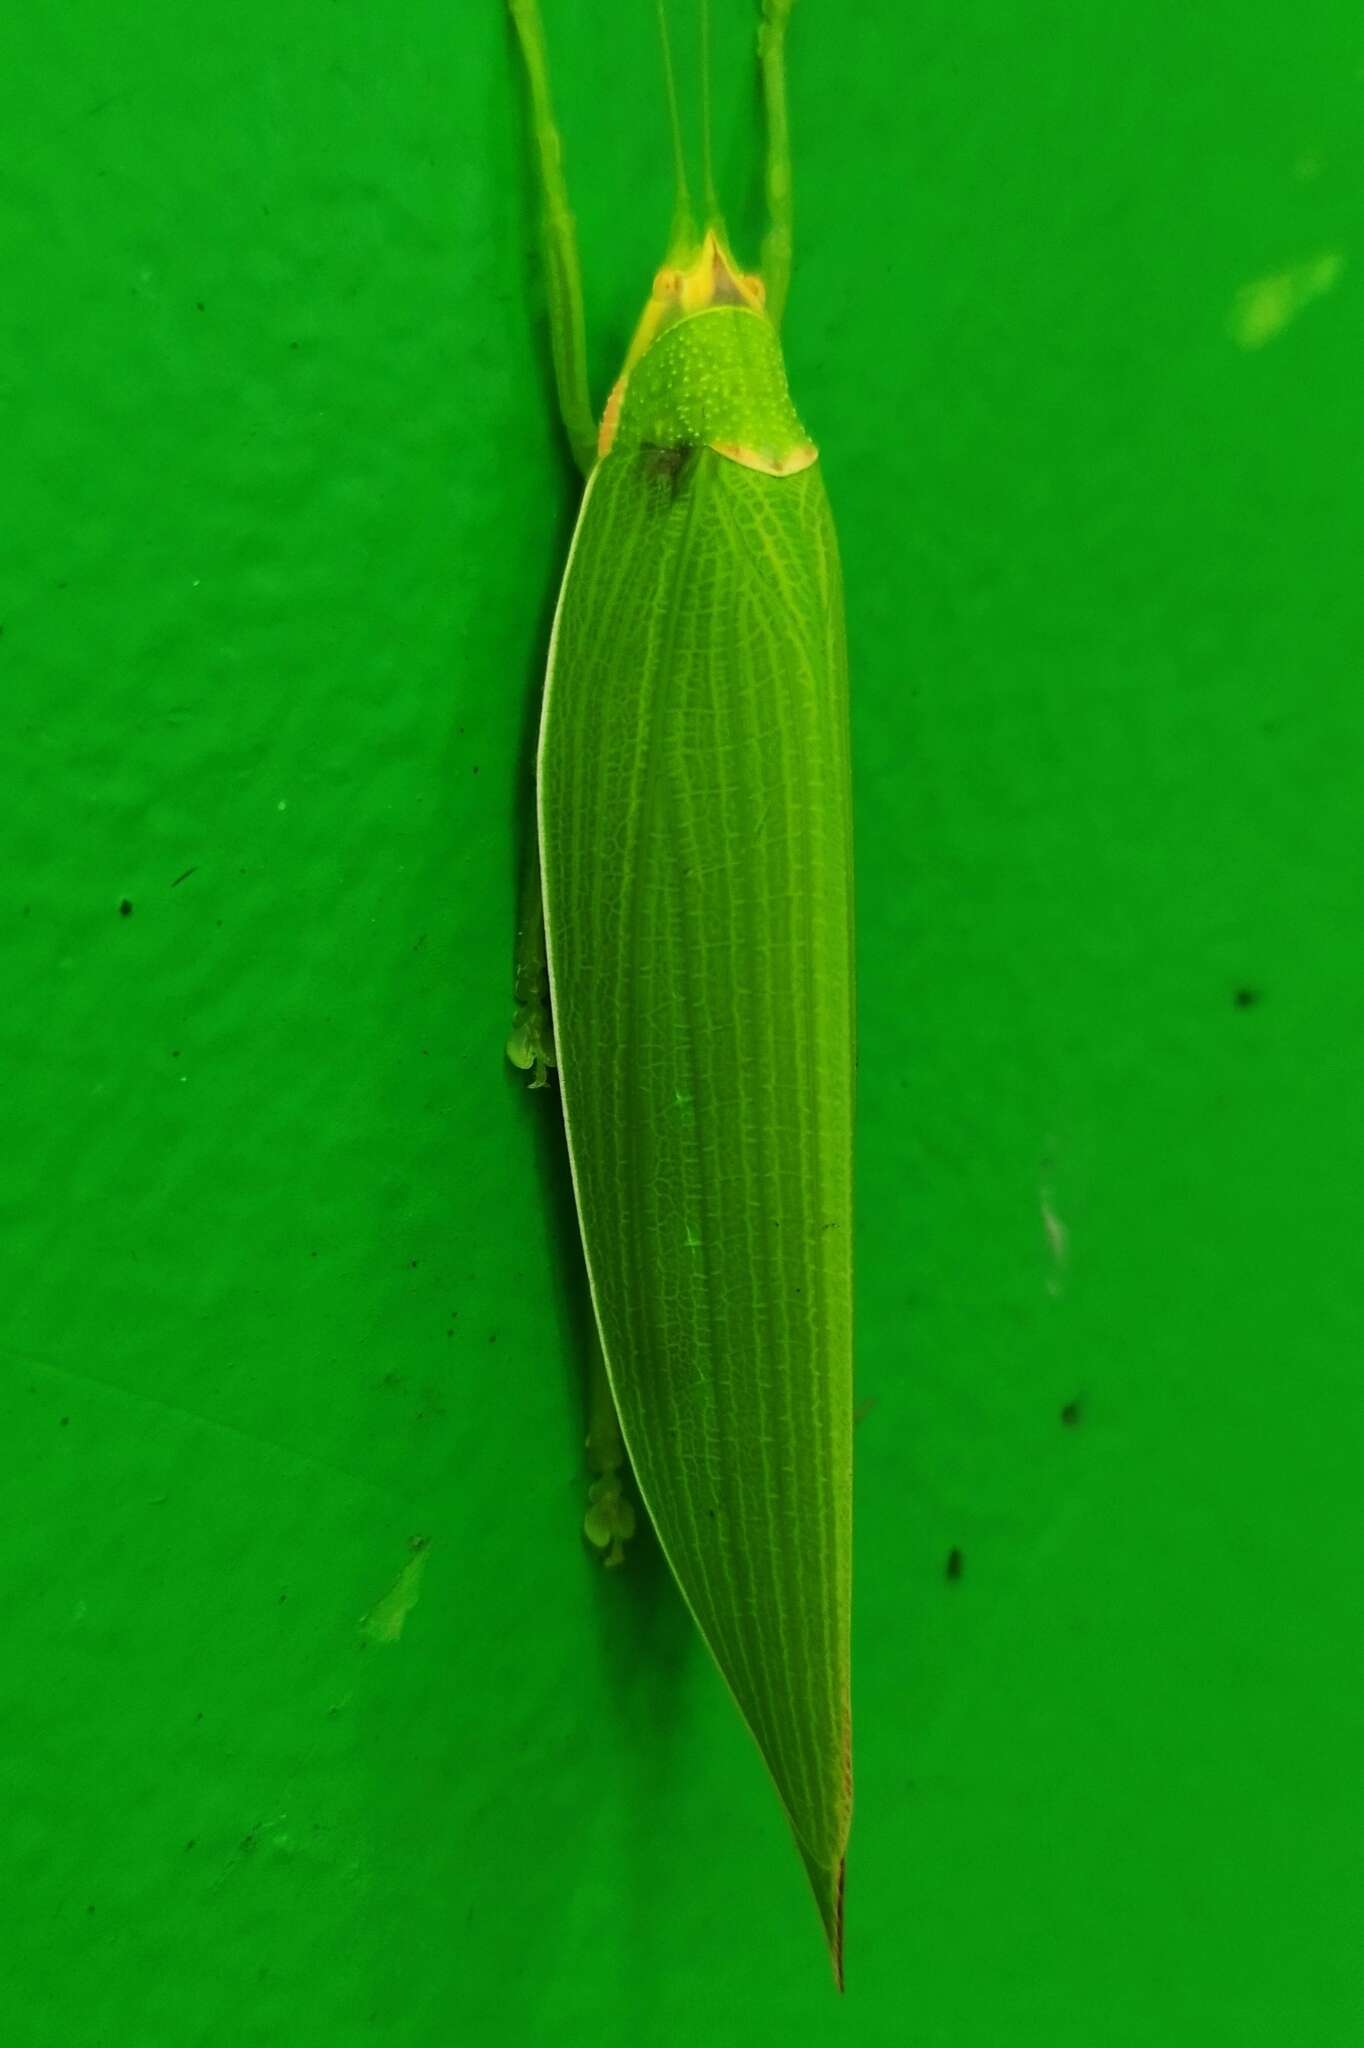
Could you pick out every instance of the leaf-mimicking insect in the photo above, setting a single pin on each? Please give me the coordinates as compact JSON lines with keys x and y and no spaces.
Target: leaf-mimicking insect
{"x":692,"y":971}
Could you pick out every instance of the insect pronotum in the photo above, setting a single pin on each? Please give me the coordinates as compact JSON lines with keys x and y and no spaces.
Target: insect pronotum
{"x":695,"y":956}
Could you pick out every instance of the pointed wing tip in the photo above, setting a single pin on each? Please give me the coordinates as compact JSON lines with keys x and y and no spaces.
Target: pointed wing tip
{"x":834,"y":1927}
{"x":827,"y":1882}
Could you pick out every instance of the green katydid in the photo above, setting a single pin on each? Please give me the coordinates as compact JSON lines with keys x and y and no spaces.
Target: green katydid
{"x":695,"y":955}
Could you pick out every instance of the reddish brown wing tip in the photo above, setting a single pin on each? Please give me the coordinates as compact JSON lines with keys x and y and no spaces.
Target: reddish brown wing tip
{"x":826,"y":1880}
{"x":836,"y":1931}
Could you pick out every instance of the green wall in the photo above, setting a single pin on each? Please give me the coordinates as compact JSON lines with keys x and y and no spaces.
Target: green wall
{"x":290,"y":1283}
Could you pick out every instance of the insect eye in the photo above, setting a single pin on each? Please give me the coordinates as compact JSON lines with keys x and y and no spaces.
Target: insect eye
{"x":756,"y":289}
{"x":667,"y":284}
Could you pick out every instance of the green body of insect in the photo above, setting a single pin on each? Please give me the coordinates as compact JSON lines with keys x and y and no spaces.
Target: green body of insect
{"x":695,"y":850}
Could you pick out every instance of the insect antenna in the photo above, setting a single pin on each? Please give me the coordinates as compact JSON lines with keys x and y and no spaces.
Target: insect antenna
{"x":684,"y":220}
{"x":712,"y":203}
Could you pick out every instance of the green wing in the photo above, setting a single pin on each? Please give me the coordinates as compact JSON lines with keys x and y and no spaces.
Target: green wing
{"x":695,"y":829}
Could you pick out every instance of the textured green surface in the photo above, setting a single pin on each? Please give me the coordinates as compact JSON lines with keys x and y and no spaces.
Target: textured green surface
{"x":286,"y":1279}
{"x":695,"y":831}
{"x":721,"y":382}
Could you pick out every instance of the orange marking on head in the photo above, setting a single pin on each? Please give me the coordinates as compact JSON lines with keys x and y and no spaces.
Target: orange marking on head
{"x":610,"y":419}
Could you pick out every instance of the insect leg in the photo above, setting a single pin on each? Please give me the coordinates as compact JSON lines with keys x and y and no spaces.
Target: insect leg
{"x":563,"y":272}
{"x":610,"y":1519}
{"x":776,"y":249}
{"x":531,"y":1043}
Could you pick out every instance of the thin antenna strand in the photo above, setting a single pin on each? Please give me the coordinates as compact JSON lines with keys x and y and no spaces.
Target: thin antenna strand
{"x":712,"y":204}
{"x":684,"y":222}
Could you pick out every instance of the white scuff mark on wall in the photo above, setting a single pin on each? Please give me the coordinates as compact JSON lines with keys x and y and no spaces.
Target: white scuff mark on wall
{"x":1058,"y":1240}
{"x":1263,"y":308}
{"x":384,"y":1622}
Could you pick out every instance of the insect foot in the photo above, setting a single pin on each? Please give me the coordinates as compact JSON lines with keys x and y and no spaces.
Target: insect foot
{"x":609,"y":1522}
{"x":530,"y":1043}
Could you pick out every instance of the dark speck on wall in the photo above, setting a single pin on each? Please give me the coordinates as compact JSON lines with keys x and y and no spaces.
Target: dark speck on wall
{"x":125,"y":908}
{"x":955,"y":1562}
{"x":1246,"y":998}
{"x":1071,"y":1413}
